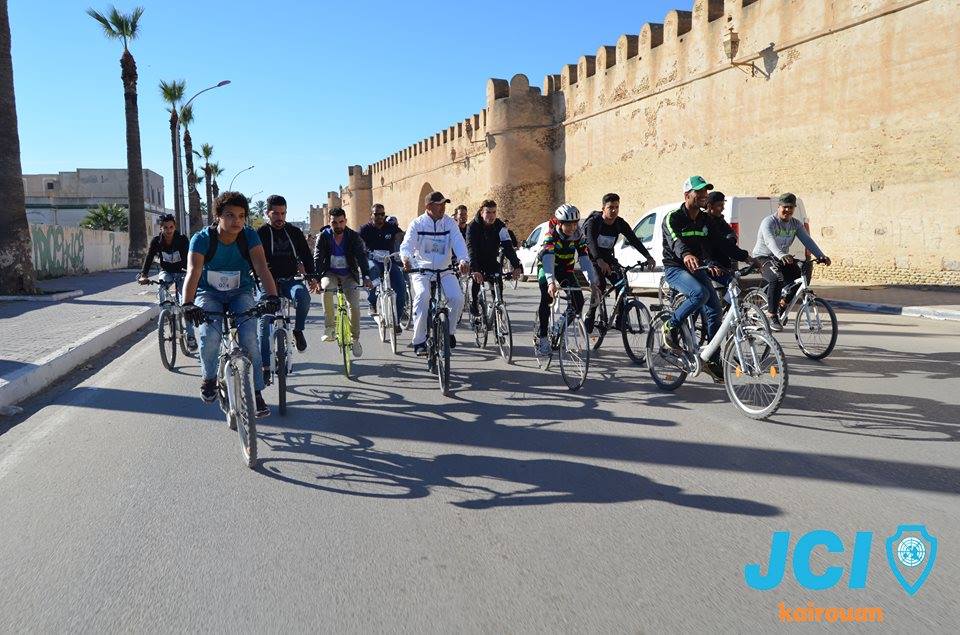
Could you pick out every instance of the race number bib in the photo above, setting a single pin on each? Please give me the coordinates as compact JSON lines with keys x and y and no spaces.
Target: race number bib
{"x":380,"y":254}
{"x":224,"y":280}
{"x":171,"y":257}
{"x":435,"y":245}
{"x":504,"y":234}
{"x":606,"y":242}
{"x":338,"y":262}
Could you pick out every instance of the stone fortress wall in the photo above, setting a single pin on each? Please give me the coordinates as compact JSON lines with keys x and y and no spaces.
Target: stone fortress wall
{"x":851,"y":104}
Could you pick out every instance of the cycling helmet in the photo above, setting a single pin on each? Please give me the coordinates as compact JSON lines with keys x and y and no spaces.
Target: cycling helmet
{"x":567,"y":213}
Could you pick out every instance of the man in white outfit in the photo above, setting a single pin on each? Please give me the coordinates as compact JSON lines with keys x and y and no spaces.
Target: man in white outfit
{"x":428,"y":244}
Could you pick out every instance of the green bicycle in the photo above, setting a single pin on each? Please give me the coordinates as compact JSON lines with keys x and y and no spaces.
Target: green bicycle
{"x":343,"y":330}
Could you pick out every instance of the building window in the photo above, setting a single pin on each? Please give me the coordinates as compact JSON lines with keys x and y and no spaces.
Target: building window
{"x":49,"y":185}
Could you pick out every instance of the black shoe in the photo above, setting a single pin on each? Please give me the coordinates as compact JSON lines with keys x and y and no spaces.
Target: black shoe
{"x":715,"y":370}
{"x":420,"y":350}
{"x":588,"y":324}
{"x":300,"y":340}
{"x":397,"y":329}
{"x":775,"y":324}
{"x":267,"y":379}
{"x":453,"y":341}
{"x":208,"y":390}
{"x":262,"y":409}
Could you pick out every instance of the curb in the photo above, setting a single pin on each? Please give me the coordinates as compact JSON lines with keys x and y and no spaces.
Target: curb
{"x":930,"y":312}
{"x":28,"y":381}
{"x":53,"y":297}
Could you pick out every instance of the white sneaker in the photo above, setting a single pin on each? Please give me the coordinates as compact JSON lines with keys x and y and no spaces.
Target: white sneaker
{"x":356,"y":350}
{"x":543,"y":346}
{"x":328,"y":337}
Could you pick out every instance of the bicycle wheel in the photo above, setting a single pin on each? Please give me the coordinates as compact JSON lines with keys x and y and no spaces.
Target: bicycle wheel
{"x":634,"y":324}
{"x":442,"y":335}
{"x":600,"y":322}
{"x":167,"y":336}
{"x":246,"y":411}
{"x":280,"y":346}
{"x":390,"y":317}
{"x":664,"y":363}
{"x":503,"y":332}
{"x":381,"y":320}
{"x":406,"y":318}
{"x":696,"y":321}
{"x":223,"y":396}
{"x":757,"y":298}
{"x":480,"y":327}
{"x":816,"y":328}
{"x":574,"y":353}
{"x":756,"y":384}
{"x":182,"y":337}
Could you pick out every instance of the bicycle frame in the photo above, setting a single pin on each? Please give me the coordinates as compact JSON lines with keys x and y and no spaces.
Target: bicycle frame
{"x":280,"y":323}
{"x":732,"y":325}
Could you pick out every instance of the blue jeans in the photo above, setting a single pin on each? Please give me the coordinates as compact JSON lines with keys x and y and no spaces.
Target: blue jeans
{"x":236,"y":301}
{"x":296,"y":291}
{"x":177,"y":279}
{"x":396,"y":281}
{"x":699,"y":293}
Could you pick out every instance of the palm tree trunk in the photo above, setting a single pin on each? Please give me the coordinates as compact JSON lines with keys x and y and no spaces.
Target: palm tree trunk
{"x":175,"y":149}
{"x":208,"y":181}
{"x":138,"y":223}
{"x":216,"y":193}
{"x":16,"y":266}
{"x":193,"y":196}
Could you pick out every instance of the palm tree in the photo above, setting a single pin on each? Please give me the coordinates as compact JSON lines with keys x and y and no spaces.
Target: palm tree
{"x":215,"y":171}
{"x":16,"y":267}
{"x":206,"y":151}
{"x":193,"y":196}
{"x":106,"y":217}
{"x":172,"y":93}
{"x":119,"y":26}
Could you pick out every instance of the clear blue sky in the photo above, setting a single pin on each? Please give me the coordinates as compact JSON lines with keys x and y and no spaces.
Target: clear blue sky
{"x":316,"y":86}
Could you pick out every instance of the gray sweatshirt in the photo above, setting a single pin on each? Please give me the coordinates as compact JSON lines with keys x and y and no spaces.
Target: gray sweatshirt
{"x":775,"y":237}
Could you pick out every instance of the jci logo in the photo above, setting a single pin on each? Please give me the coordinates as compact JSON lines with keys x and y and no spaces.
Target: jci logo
{"x":911,"y":552}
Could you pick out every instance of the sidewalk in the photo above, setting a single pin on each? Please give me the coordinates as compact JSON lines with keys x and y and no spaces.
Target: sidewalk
{"x":940,"y":303}
{"x":43,"y":341}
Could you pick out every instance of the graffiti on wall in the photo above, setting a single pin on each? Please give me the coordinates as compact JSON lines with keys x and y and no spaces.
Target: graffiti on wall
{"x":61,"y":251}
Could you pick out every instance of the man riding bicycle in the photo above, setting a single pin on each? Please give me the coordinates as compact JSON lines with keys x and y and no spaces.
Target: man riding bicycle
{"x":486,"y":236}
{"x":288,"y":255}
{"x":689,"y":243}
{"x":219,"y":279}
{"x":777,"y":232}
{"x":380,"y":238}
{"x":172,"y":247}
{"x":338,"y":256}
{"x":602,"y":229}
{"x":563,"y":247}
{"x":429,"y":243}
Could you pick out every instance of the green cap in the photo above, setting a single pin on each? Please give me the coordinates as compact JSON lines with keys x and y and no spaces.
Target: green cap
{"x":788,"y":199}
{"x":696,"y":183}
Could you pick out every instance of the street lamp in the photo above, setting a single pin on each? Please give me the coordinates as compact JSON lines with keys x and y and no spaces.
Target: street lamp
{"x":178,"y":177}
{"x":230,"y":187}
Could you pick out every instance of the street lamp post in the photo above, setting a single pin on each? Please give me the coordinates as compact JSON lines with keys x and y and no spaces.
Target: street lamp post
{"x":230,"y":187}
{"x":178,"y":177}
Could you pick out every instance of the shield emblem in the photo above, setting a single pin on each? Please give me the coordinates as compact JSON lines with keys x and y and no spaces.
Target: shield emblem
{"x":911,"y":552}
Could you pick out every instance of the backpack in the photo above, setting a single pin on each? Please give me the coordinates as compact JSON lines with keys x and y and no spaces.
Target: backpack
{"x":242,"y":245}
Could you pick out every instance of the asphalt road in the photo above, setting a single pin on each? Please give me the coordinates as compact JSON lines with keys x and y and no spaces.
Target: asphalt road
{"x":514,"y":505}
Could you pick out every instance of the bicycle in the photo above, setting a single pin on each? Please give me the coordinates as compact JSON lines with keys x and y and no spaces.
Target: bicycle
{"x":438,"y":329}
{"x":749,"y":354}
{"x":235,"y":380}
{"x":815,"y":338}
{"x":630,"y":316}
{"x":567,"y":336}
{"x":405,"y":318}
{"x":343,"y":330}
{"x":496,"y":319}
{"x":506,"y":268}
{"x":387,"y":305}
{"x":171,"y":328}
{"x":282,"y":348}
{"x":698,"y":321}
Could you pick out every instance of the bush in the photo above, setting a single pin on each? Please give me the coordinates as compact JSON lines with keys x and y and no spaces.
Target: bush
{"x":111,"y":218}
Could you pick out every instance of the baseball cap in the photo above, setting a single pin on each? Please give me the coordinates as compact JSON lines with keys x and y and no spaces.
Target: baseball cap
{"x":436,"y":197}
{"x":696,"y":183}
{"x":788,"y":198}
{"x":716,"y":196}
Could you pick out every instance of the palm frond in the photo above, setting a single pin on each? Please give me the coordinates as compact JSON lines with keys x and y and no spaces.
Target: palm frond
{"x":104,"y":21}
{"x":172,"y":91}
{"x":186,"y":116}
{"x":206,"y":151}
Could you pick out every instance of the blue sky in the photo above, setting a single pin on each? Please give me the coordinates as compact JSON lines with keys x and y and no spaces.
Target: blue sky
{"x":316,"y":86}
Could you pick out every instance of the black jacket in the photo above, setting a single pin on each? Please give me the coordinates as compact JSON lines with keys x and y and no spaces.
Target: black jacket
{"x":353,"y":247}
{"x":285,"y":266}
{"x":596,"y":231}
{"x":173,"y":258}
{"x":682,"y":236}
{"x":722,"y":229}
{"x":484,"y":244}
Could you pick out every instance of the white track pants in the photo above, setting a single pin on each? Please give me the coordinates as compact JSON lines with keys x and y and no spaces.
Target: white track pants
{"x":420,"y":286}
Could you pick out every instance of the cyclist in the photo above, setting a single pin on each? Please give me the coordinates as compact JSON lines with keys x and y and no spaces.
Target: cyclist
{"x":486,"y":236}
{"x":513,"y":237}
{"x":602,"y":229}
{"x":380,"y":239}
{"x":562,"y":248}
{"x":688,"y":243}
{"x":172,"y":247}
{"x":219,"y":278}
{"x":337,"y":258}
{"x":429,"y":243}
{"x":461,"y":213}
{"x":287,"y":254}
{"x":777,"y":232}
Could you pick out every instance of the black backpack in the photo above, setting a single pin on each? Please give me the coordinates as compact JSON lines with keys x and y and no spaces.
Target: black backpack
{"x":242,"y":245}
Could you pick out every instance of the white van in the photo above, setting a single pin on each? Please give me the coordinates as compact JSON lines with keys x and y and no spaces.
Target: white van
{"x":744,"y":214}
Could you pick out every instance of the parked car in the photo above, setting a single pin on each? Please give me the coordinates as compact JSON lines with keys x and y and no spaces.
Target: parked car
{"x":744,"y":214}
{"x":530,"y":248}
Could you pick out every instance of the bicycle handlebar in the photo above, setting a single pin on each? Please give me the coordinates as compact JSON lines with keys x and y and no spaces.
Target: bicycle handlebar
{"x":436,"y":271}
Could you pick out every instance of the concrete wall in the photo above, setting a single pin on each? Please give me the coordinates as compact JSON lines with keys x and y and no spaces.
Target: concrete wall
{"x":844,"y":103}
{"x":60,"y":251}
{"x":101,"y":185}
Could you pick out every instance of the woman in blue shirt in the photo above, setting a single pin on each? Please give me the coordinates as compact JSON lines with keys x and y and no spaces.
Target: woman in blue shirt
{"x":226,"y":282}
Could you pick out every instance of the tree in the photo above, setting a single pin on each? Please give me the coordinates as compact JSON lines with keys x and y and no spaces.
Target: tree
{"x":193,"y":196}
{"x":206,"y":151}
{"x":125,"y":27}
{"x":215,"y":171}
{"x":16,"y":264}
{"x":172,"y":94}
{"x":106,"y":217}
